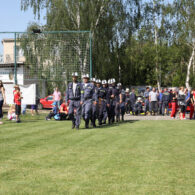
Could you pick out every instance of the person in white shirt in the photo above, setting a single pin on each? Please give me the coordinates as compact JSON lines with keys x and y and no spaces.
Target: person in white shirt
{"x":153,"y":98}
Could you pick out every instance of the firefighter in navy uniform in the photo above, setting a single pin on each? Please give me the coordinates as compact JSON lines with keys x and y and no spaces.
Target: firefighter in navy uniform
{"x":95,"y":103}
{"x":146,"y":101}
{"x":87,"y":94}
{"x":73,"y":98}
{"x":133,"y":98}
{"x":118,"y":108}
{"x":122,"y":103}
{"x":114,"y":101}
{"x":127,"y":101}
{"x":109,"y":110}
{"x":103,"y":100}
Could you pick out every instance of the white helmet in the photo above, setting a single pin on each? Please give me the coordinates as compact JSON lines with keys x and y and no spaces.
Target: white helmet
{"x":139,"y":99}
{"x":86,"y":76}
{"x":113,"y":81}
{"x":75,"y":74}
{"x":104,"y":82}
{"x":93,"y":80}
{"x":98,"y":81}
{"x":119,"y":85}
{"x":127,"y":90}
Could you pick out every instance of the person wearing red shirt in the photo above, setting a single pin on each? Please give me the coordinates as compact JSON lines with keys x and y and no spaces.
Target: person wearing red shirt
{"x":17,"y":101}
{"x":63,"y":111}
{"x":174,"y":104}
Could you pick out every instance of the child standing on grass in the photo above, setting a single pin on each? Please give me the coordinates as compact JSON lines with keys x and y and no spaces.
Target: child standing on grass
{"x":17,"y":100}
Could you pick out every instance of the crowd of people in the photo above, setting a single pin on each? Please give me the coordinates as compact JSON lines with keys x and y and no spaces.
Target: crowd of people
{"x":97,"y":100}
{"x":101,"y":101}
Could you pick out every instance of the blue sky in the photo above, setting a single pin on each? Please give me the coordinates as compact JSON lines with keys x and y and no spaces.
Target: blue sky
{"x":13,"y":19}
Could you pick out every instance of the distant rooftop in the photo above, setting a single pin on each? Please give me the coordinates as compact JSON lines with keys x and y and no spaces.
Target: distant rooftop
{"x":7,"y":40}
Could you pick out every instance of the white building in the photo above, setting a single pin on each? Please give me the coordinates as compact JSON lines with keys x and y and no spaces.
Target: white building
{"x":7,"y":66}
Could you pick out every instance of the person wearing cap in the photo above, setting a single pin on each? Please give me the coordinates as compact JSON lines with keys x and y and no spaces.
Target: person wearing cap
{"x":127,"y":101}
{"x":146,"y":101}
{"x":95,"y":106}
{"x":103,"y":99}
{"x":133,"y":98}
{"x":118,"y":104}
{"x":138,"y":106}
{"x":73,"y":99}
{"x":87,"y":95}
{"x":114,"y":101}
{"x":108,"y":107}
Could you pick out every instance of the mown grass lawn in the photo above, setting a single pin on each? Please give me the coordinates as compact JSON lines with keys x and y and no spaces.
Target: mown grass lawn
{"x":140,"y":157}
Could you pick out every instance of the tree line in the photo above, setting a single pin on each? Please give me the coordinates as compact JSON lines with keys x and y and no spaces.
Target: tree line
{"x":139,"y":42}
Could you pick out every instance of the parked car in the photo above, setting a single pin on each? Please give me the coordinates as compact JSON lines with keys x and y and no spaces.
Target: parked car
{"x":46,"y":102}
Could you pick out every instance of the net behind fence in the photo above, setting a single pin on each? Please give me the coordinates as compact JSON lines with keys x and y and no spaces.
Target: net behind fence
{"x":47,"y":58}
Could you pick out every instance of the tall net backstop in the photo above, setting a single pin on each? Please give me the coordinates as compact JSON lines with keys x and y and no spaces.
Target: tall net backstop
{"x":45,"y":58}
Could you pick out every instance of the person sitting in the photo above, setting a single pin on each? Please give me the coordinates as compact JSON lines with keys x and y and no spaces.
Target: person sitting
{"x":11,"y":115}
{"x":63,"y":111}
{"x":138,"y":106}
{"x":53,"y":112}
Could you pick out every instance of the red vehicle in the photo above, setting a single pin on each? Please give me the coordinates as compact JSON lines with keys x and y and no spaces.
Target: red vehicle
{"x":46,"y":102}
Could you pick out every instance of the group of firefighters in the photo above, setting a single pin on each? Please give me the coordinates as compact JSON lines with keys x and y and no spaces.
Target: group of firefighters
{"x":94,"y":100}
{"x":97,"y":100}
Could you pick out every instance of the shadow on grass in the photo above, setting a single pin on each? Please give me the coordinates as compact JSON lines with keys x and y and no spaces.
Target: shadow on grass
{"x":106,"y":126}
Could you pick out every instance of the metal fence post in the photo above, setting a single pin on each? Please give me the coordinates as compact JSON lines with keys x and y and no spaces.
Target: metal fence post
{"x":15,"y":60}
{"x":91,"y":70}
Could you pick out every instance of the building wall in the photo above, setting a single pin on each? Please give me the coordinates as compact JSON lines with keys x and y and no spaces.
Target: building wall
{"x":7,"y":75}
{"x":9,"y":50}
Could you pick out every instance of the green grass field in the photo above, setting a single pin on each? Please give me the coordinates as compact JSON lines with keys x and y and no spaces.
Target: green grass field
{"x":138,"y":157}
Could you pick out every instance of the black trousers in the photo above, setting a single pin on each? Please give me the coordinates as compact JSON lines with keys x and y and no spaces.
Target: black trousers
{"x":1,"y":106}
{"x":154,"y":106}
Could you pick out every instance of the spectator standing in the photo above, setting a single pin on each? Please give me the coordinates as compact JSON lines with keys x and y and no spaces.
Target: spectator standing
{"x":34,"y":107}
{"x":153,"y":98}
{"x":57,"y":96}
{"x":160,"y":103}
{"x":191,"y":105}
{"x":17,"y":100}
{"x":166,"y":98}
{"x":146,"y":102}
{"x":193,"y":97}
{"x":182,"y":103}
{"x":2,"y":100}
{"x":174,"y":104}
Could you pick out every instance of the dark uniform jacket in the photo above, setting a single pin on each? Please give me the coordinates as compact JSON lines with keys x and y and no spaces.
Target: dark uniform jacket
{"x":69,"y":92}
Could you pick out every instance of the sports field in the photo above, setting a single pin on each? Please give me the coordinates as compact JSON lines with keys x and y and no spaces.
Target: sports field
{"x":135,"y":157}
